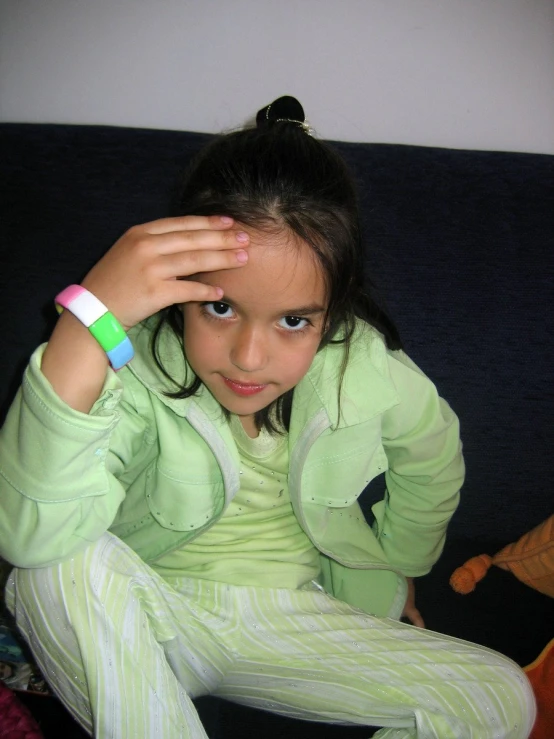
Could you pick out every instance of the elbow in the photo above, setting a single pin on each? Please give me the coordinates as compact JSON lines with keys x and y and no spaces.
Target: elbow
{"x":32,"y":551}
{"x":24,"y":558}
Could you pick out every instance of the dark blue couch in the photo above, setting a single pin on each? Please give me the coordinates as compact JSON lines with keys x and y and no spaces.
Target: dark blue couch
{"x":461,"y":247}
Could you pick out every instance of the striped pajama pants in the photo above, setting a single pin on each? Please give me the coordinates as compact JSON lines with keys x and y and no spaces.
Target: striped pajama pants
{"x":127,"y":651}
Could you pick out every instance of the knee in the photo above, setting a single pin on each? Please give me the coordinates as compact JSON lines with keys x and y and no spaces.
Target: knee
{"x":50,"y":587}
{"x":528,"y":703}
{"x":517,"y":703}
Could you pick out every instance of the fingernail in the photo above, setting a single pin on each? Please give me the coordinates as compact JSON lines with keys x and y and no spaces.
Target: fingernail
{"x":219,"y":292}
{"x":242,"y":256}
{"x":242,"y":237}
{"x":226,"y":220}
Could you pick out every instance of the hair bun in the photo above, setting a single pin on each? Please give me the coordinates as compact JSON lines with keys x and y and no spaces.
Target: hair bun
{"x":285,"y":109}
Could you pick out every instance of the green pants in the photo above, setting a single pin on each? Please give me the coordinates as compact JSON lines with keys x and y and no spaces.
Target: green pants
{"x":126,"y":651}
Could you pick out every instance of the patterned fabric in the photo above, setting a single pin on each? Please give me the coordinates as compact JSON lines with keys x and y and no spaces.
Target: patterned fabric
{"x":127,"y":652}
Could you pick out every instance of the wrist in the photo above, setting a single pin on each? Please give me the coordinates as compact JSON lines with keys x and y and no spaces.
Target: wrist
{"x":101,"y":323}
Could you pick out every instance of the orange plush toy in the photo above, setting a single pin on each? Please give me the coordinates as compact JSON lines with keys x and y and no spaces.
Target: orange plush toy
{"x":531,"y":560}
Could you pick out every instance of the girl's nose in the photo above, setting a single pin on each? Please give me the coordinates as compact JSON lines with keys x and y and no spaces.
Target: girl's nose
{"x":249,"y":351}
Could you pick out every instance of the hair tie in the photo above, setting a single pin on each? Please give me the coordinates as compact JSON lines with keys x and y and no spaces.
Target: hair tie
{"x":285,"y":109}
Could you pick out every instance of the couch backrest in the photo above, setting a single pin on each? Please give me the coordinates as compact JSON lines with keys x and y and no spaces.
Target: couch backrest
{"x":460,"y":243}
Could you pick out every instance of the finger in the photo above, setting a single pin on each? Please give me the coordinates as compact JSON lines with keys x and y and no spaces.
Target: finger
{"x":417,"y":619}
{"x":188,"y":223}
{"x":188,"y":291}
{"x":185,"y":264}
{"x":185,"y":241}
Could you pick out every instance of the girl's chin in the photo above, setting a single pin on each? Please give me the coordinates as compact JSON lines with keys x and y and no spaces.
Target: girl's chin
{"x":244,"y":405}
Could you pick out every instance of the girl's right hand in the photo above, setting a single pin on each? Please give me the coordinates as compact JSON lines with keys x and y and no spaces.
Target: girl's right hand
{"x":146,"y":270}
{"x":143,"y":271}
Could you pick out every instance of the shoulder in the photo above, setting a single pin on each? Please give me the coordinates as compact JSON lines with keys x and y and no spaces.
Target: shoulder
{"x":370,"y":378}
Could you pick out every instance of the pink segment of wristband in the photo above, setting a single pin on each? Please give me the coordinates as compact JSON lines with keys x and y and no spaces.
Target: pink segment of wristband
{"x":68,"y":295}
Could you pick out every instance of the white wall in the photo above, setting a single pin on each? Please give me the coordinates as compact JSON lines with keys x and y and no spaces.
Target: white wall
{"x":458,"y":73}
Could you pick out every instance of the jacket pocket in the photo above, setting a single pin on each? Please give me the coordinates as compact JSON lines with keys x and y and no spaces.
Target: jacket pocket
{"x":183,"y":502}
{"x":342,"y":463}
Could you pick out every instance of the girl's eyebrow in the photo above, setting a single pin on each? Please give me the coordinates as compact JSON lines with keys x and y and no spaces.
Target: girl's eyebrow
{"x":306,"y":310}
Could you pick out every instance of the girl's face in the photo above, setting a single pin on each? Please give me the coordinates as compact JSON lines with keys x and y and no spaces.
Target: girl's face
{"x":260,"y":340}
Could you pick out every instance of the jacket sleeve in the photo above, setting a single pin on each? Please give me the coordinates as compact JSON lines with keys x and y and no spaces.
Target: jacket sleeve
{"x":59,"y":467}
{"x":421,"y":439}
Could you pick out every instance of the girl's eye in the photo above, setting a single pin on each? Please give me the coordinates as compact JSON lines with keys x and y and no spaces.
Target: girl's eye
{"x":293,"y":323}
{"x":218,"y":310}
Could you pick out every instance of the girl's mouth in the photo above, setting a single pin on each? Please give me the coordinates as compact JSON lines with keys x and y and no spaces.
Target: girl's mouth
{"x":243,"y":388}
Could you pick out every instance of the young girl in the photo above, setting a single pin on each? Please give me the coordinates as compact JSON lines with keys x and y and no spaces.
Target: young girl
{"x":188,"y":525}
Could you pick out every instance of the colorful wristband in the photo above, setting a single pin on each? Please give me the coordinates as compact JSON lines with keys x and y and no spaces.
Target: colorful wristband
{"x":102,"y":324}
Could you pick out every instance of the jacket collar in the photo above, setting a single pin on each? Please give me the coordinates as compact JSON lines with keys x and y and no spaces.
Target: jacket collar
{"x":366,"y":389}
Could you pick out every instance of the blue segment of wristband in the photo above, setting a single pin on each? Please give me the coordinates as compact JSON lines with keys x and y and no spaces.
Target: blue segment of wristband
{"x":121,"y":354}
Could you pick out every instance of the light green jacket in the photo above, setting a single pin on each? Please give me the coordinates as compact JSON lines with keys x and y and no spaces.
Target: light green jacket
{"x":158,"y":472}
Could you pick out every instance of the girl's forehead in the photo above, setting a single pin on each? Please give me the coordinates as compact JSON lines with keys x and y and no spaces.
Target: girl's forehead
{"x":282,"y":273}
{"x":276,"y":238}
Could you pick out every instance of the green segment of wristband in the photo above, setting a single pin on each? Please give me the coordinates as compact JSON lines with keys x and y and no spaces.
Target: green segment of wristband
{"x":107,"y":331}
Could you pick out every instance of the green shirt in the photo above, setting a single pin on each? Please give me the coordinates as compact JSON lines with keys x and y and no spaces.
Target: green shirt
{"x":258,"y":540}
